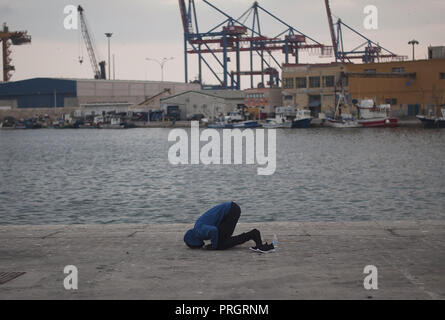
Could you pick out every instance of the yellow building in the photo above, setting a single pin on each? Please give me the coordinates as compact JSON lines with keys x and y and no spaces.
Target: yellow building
{"x":411,"y":87}
{"x":312,"y":86}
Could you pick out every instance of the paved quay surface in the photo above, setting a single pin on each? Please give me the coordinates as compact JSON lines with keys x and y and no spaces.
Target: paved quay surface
{"x":313,"y":261}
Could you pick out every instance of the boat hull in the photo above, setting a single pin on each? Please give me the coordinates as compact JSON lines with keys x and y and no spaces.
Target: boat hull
{"x":342,"y":124}
{"x":285,"y":125}
{"x":379,"y":123}
{"x":302,"y":123}
{"x":246,"y":125}
{"x":432,"y":123}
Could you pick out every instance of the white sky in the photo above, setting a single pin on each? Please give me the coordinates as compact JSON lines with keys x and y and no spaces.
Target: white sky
{"x":147,"y":28}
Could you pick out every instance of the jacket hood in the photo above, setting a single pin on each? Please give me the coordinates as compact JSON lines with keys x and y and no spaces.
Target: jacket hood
{"x":192,"y":240}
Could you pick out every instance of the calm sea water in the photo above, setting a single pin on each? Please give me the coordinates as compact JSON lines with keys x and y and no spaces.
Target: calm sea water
{"x":123,"y":176}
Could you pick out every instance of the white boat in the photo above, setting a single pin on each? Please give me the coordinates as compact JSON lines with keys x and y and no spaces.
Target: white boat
{"x":282,"y":118}
{"x":372,"y":116}
{"x":289,"y":117}
{"x":340,"y":121}
{"x":277,"y":124}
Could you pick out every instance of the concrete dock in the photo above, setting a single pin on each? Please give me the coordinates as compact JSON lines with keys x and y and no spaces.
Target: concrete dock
{"x":312,"y":261}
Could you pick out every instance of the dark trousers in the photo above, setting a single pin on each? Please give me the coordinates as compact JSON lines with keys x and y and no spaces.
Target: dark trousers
{"x":226,"y":240}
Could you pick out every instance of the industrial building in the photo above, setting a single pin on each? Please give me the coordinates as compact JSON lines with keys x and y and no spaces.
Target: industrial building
{"x":263,"y":101}
{"x":411,"y":87}
{"x":312,"y":86}
{"x":209,"y":103}
{"x":88,"y":95}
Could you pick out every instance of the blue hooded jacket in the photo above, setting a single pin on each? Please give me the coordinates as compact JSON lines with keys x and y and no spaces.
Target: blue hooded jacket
{"x":206,"y":227}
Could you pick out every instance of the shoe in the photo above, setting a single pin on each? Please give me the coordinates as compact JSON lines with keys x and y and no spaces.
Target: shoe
{"x":266,"y":248}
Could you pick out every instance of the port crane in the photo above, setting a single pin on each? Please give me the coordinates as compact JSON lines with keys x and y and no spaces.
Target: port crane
{"x":242,"y":35}
{"x":98,"y":68}
{"x":8,"y":39}
{"x":367,"y":52}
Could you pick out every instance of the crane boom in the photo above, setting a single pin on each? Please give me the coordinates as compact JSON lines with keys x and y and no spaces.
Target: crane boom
{"x":187,"y":24}
{"x":331,"y":28}
{"x":98,"y":68}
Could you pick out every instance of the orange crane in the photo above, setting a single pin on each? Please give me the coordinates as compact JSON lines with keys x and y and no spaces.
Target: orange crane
{"x":9,"y":38}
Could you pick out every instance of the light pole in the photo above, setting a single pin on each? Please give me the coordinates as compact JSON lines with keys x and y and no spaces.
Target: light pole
{"x":161,"y":64}
{"x":108,"y":35}
{"x":413,"y":43}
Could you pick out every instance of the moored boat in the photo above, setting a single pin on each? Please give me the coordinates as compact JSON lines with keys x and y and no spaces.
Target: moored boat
{"x":303,"y":119}
{"x":246,"y":124}
{"x":274,"y":124}
{"x":340,"y":121}
{"x":372,"y":116}
{"x":433,"y":122}
{"x":282,"y":118}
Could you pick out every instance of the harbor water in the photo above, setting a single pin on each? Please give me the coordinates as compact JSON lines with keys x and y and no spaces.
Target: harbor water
{"x":124,"y":176}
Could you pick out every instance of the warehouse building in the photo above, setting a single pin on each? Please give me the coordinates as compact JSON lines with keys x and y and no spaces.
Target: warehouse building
{"x":209,"y":103}
{"x":88,"y":95}
{"x":410,"y":87}
{"x":312,"y":86}
{"x":262,"y":102}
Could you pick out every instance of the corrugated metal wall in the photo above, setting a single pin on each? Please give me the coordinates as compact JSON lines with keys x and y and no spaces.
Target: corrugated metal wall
{"x":39,"y":92}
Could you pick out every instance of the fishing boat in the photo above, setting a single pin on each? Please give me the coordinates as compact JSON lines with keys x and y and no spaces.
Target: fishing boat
{"x":289,"y":117}
{"x":235,"y":119}
{"x":283,"y":118}
{"x":303,"y":119}
{"x":341,"y":121}
{"x":372,"y":116}
{"x":276,"y":124}
{"x":433,"y":122}
{"x":246,"y":124}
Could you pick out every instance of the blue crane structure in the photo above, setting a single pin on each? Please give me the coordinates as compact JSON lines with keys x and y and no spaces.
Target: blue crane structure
{"x":367,"y":52}
{"x":238,"y":36}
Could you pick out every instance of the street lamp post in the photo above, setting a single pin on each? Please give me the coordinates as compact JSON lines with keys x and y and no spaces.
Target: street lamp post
{"x":413,"y":43}
{"x":161,"y":64}
{"x":108,"y":35}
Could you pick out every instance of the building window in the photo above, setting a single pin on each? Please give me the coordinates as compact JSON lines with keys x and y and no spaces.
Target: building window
{"x":328,"y":81}
{"x":288,"y":97}
{"x":398,"y":70}
{"x":392,"y":101}
{"x":442,"y":76}
{"x":371,"y":71}
{"x":314,"y":82}
{"x":288,"y":83}
{"x":301,"y":83}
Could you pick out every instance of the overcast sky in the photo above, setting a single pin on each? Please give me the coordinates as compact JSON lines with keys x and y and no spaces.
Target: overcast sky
{"x":153,"y":29}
